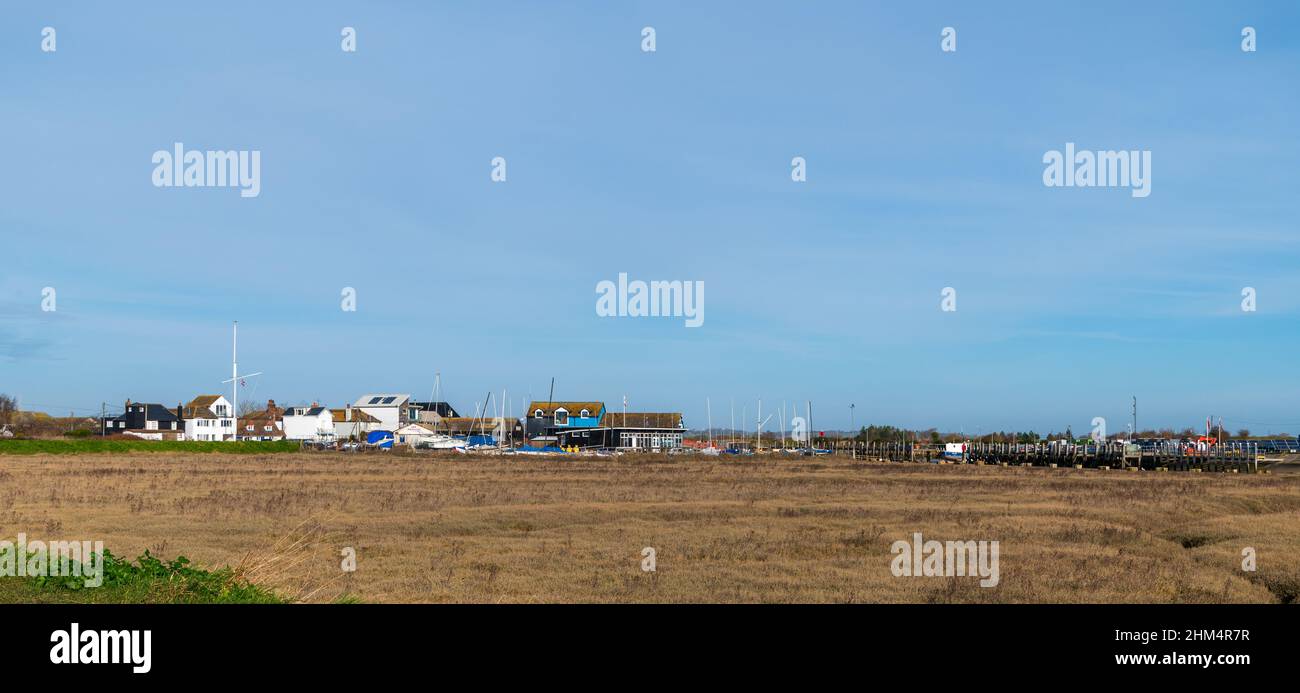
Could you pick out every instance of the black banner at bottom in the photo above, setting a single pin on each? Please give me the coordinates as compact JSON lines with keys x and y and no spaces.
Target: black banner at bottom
{"x":341,"y":642}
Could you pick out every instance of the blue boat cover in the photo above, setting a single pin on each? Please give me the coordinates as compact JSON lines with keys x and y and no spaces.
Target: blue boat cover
{"x":383,"y":438}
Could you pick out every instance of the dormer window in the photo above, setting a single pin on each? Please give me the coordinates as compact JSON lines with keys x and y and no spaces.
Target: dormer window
{"x":585,"y":414}
{"x":538,"y":414}
{"x":561,"y":417}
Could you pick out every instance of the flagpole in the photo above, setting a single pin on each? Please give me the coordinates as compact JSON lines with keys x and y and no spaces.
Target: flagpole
{"x":234,"y":381}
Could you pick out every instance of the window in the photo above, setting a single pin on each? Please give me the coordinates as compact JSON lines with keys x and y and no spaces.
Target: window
{"x":249,"y":427}
{"x":538,"y":414}
{"x":561,"y":417}
{"x":584,"y":414}
{"x":266,"y":428}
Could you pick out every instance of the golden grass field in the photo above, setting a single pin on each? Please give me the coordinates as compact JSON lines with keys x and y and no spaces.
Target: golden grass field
{"x":514,"y":529}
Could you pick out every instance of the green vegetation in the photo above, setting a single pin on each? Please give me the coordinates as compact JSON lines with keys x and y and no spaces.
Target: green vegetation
{"x":81,"y":446}
{"x":147,"y":580}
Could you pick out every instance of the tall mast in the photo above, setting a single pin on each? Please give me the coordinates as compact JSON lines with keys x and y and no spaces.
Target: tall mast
{"x":234,"y":380}
{"x":709,"y":406}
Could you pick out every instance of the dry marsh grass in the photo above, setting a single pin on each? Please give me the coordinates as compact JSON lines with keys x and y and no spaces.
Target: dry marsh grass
{"x":485,"y":529}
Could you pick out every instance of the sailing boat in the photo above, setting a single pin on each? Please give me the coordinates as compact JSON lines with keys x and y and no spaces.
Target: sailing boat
{"x":711,"y":450}
{"x":441,"y":441}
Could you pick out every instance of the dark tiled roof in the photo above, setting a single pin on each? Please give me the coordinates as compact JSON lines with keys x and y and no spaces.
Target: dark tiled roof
{"x":440,"y":408}
{"x":156,"y":412}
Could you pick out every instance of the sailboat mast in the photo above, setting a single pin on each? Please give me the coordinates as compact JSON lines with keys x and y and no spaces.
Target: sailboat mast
{"x":234,"y":380}
{"x":708,"y":405}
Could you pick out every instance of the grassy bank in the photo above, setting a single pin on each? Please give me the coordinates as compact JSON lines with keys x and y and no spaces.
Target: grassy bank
{"x":93,"y":445}
{"x":147,"y":580}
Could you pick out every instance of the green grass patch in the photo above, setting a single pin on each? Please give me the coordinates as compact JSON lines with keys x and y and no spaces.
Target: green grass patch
{"x":81,"y":446}
{"x":147,"y":580}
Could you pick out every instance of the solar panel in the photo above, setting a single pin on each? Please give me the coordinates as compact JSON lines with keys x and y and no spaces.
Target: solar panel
{"x":389,"y":400}
{"x":375,"y":400}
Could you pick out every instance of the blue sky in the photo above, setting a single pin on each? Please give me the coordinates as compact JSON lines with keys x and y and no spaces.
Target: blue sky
{"x":924,"y":171}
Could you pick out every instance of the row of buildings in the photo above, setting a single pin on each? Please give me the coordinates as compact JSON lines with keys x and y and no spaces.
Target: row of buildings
{"x":404,"y":421}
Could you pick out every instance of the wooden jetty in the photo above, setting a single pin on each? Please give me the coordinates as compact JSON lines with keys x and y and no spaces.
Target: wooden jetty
{"x":1229,"y":457}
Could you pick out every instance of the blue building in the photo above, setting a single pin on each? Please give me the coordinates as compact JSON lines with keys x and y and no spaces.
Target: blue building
{"x":547,"y":419}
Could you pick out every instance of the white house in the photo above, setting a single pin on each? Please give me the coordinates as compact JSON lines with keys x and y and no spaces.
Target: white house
{"x":414,"y":434}
{"x":391,"y":410}
{"x":308,"y":423}
{"x":209,"y":417}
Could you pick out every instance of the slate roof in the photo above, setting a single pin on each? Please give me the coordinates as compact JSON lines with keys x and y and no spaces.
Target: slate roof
{"x":443,"y":409}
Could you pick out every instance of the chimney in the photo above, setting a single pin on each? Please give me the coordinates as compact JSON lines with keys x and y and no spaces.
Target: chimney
{"x":347,"y":412}
{"x":180,"y":412}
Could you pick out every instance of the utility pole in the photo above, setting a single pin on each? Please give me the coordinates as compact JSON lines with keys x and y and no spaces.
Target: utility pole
{"x":103,"y":413}
{"x":1135,"y":416}
{"x":853,"y":430}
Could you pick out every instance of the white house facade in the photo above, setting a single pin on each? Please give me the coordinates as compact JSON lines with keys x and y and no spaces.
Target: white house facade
{"x":208,"y":417}
{"x":313,"y":423}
